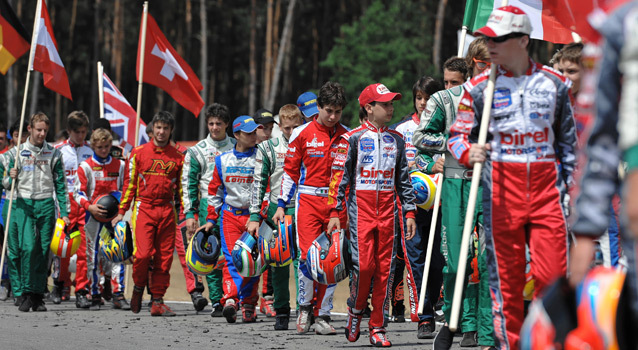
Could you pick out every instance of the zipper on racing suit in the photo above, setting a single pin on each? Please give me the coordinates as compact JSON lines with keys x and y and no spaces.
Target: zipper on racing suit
{"x":378,"y":166}
{"x":521,"y":89}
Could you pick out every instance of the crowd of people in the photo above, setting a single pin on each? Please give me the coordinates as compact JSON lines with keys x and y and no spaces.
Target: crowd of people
{"x":302,"y":162}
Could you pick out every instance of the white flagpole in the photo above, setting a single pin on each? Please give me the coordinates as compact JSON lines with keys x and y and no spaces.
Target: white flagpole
{"x":36,"y":23}
{"x":462,"y":41}
{"x":100,"y":87}
{"x":141,"y":74}
{"x":459,"y":285}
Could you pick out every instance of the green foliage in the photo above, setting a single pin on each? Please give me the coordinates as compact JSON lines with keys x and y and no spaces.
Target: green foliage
{"x":384,"y":45}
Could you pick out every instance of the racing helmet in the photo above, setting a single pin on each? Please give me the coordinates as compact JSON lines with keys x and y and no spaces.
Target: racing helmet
{"x":277,"y":245}
{"x":425,"y":187}
{"x":63,"y":243}
{"x":550,"y":318}
{"x":599,"y":298}
{"x":110,"y":203}
{"x":202,"y":253}
{"x":246,"y":257}
{"x":329,"y":257}
{"x":116,"y":244}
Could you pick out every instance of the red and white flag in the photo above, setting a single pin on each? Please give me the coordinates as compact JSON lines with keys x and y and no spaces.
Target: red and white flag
{"x":121,"y":115}
{"x":164,"y":68}
{"x":45,"y":57}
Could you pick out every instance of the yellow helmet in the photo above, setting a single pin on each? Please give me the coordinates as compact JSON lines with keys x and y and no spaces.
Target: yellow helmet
{"x":64,"y":244}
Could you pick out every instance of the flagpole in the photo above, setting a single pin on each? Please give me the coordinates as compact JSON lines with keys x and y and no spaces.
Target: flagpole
{"x":36,"y":22}
{"x":100,"y":87}
{"x":141,"y":74}
{"x":462,"y":41}
{"x":459,"y":285}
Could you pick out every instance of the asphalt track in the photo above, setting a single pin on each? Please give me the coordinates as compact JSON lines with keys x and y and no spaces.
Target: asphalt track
{"x":64,"y":326}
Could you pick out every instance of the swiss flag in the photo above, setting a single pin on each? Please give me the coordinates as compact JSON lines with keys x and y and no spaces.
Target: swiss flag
{"x":46,"y":59}
{"x":164,"y":68}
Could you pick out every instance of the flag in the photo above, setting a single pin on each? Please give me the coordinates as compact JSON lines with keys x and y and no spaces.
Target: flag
{"x":121,"y":115}
{"x":544,"y":25}
{"x":164,"y":68}
{"x":583,"y":16}
{"x":14,"y":40}
{"x":45,"y":58}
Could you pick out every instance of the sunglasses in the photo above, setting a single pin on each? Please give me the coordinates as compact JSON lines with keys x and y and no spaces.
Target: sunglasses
{"x":504,"y":38}
{"x":481,"y":65}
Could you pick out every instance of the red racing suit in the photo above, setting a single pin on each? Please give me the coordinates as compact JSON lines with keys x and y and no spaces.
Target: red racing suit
{"x":311,"y":150}
{"x":95,"y":177}
{"x":532,"y":137}
{"x":152,"y":176}
{"x":72,"y":156}
{"x":372,"y":163}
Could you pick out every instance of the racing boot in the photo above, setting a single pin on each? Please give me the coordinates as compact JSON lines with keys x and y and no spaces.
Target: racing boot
{"x":4,"y":292}
{"x":266,"y":306}
{"x":217,"y":310}
{"x":230,"y":311}
{"x":248,"y":314}
{"x":107,"y":292}
{"x":352,"y":326}
{"x":96,"y":302}
{"x":38,"y":303}
{"x":426,"y":329}
{"x":119,"y":302}
{"x":56,"y":293}
{"x":378,"y":338}
{"x":27,"y":303}
{"x":81,"y":301}
{"x":323,"y":327}
{"x":66,"y":293}
{"x":282,"y":318}
{"x":17,"y":301}
{"x":199,"y":302}
{"x":158,"y":308}
{"x":303,"y":319}
{"x":136,"y":299}
{"x":398,"y":312}
{"x":443,"y":339}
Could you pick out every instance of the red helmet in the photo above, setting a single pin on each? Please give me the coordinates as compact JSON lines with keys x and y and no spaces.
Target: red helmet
{"x":330,"y":257}
{"x":110,"y":204}
{"x":277,"y":245}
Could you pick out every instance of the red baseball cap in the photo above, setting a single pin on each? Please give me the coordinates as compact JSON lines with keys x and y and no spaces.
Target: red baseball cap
{"x":377,"y":93}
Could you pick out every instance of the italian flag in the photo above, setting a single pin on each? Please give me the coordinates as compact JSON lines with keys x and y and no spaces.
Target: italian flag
{"x":544,"y":24}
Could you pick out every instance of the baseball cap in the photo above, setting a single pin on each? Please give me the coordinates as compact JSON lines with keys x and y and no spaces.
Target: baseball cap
{"x":377,"y":93}
{"x":307,"y":103}
{"x":263,"y":117}
{"x":245,"y":123}
{"x":506,"y":20}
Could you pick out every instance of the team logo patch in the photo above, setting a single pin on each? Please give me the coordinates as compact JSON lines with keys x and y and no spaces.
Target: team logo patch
{"x":502,"y":98}
{"x":25,"y":153}
{"x":367,"y":159}
{"x":366,"y":145}
{"x":388,"y":139}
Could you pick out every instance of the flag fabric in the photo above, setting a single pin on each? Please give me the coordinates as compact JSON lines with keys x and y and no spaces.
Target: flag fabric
{"x":544,"y":25}
{"x":164,"y":68}
{"x":46,"y":59}
{"x":583,"y":16}
{"x":121,"y":115}
{"x":14,"y":40}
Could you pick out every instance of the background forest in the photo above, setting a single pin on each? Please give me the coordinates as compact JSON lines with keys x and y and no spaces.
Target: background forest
{"x":248,"y":54}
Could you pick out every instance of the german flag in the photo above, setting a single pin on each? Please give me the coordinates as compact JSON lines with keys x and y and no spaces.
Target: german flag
{"x":14,"y":40}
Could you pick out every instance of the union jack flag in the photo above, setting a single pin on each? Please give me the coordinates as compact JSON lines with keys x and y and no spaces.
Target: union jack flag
{"x":121,"y":115}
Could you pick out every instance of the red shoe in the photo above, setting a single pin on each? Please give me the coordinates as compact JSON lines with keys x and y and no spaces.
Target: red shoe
{"x":352,"y":326}
{"x":136,"y":299}
{"x":266,"y":306}
{"x":378,"y":338}
{"x":248,"y":314}
{"x":160,"y":309}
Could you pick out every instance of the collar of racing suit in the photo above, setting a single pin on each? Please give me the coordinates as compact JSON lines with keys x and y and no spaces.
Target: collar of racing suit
{"x":246,"y":154}
{"x":28,"y":145}
{"x":217,"y":144}
{"x":416,"y":118}
{"x":100,"y":159}
{"x":74,"y":144}
{"x":533,"y":67}
{"x":371,"y":127}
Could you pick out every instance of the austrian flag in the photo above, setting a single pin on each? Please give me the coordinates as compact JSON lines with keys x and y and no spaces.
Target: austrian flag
{"x":45,"y":58}
{"x":164,"y":68}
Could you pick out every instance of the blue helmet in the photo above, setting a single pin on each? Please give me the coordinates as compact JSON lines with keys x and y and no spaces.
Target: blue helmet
{"x":246,"y":257}
{"x":202,"y":253}
{"x":116,"y":244}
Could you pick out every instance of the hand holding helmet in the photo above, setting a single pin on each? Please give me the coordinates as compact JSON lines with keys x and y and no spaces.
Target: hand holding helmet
{"x":277,"y":245}
{"x":330,"y":257}
{"x":246,"y":257}
{"x":203,"y":252}
{"x":104,"y":208}
{"x":65,"y":241}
